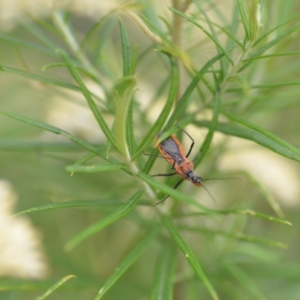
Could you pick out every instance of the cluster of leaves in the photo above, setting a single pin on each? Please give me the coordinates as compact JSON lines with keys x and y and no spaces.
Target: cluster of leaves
{"x":240,"y":45}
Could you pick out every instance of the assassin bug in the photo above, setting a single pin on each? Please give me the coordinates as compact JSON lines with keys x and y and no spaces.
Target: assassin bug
{"x":172,"y":150}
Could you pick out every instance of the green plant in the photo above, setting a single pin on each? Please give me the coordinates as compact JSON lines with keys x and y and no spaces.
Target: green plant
{"x":208,"y":67}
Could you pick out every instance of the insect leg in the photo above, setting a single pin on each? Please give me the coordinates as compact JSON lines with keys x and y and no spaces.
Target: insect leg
{"x":177,"y":184}
{"x":169,"y":174}
{"x":193,"y":142}
{"x":173,"y":165}
{"x":175,"y":187}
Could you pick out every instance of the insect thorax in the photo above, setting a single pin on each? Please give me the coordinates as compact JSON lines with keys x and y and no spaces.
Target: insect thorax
{"x":193,"y":178}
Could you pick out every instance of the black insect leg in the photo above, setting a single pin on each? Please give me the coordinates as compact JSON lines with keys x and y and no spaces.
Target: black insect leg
{"x":193,"y":142}
{"x":169,"y":174}
{"x":175,"y":187}
{"x":177,"y":184}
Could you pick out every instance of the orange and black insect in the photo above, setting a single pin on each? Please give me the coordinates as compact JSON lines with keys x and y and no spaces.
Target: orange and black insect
{"x":172,"y":150}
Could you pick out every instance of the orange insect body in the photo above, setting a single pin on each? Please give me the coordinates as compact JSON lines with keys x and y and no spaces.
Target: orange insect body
{"x":173,"y":152}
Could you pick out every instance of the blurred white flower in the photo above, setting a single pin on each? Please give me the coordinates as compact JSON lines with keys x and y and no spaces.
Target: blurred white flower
{"x":11,"y":11}
{"x":93,"y":8}
{"x":20,"y":244}
{"x":278,"y":174}
{"x":74,"y":116}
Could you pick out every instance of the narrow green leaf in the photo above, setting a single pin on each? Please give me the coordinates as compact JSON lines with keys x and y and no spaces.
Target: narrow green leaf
{"x":150,"y":162}
{"x":149,"y":137}
{"x":253,"y":213}
{"x":72,"y":204}
{"x":254,"y":19}
{"x":244,"y":18}
{"x":96,"y":227}
{"x":54,"y":65}
{"x":287,"y":147}
{"x":236,"y":235}
{"x":273,"y":55}
{"x":205,"y":81}
{"x":277,"y":145}
{"x":130,"y":118}
{"x":189,"y":255}
{"x":130,"y":129}
{"x":245,"y":281}
{"x":42,"y":125}
{"x":87,"y":95}
{"x":297,"y":15}
{"x":96,"y":168}
{"x":231,"y":35}
{"x":264,"y":86}
{"x":127,"y":261}
{"x":270,"y":44}
{"x":215,"y":36}
{"x":21,"y":145}
{"x":247,"y":212}
{"x":213,"y":125}
{"x":173,"y":193}
{"x":164,"y":272}
{"x":43,"y":79}
{"x":150,"y":13}
{"x":95,"y":31}
{"x":27,"y":44}
{"x":55,"y":287}
{"x":183,"y":102}
{"x":84,"y":159}
{"x":126,"y":51}
{"x":275,"y":84}
{"x":219,"y":46}
{"x":83,"y":70}
{"x":123,"y":94}
{"x":124,"y":127}
{"x":37,"y":31}
{"x":267,"y":195}
{"x":258,"y":240}
{"x":62,"y":132}
{"x":46,"y":79}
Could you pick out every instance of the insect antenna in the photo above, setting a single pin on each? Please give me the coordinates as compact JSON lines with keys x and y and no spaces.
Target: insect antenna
{"x":161,"y":201}
{"x":208,"y":192}
{"x":148,"y":154}
{"x":222,"y":178}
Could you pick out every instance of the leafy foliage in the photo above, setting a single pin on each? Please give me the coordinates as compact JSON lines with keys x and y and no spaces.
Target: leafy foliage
{"x":228,"y":68}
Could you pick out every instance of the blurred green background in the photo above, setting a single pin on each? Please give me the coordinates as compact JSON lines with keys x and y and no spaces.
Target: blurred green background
{"x":244,"y":257}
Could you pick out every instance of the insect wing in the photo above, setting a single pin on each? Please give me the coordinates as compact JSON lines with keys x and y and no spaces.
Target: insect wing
{"x":172,"y":150}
